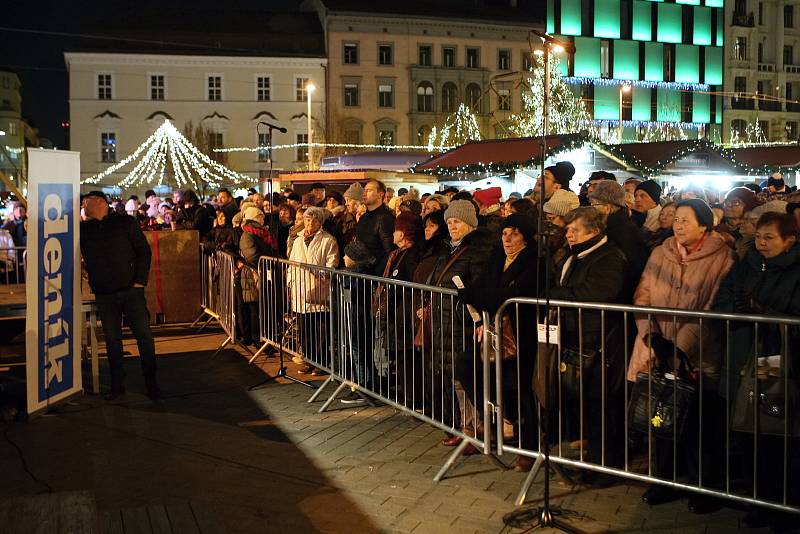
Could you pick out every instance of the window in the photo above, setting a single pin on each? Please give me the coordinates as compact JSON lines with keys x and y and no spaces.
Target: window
{"x":216,"y":140}
{"x":791,"y":130}
{"x":738,"y":127}
{"x":214,"y":86}
{"x":449,"y":97}
{"x":263,"y":146}
{"x":764,"y":127}
{"x":385,"y":56}
{"x":448,"y":56}
{"x":686,"y":106}
{"x":12,"y":128}
{"x":263,"y":88}
{"x":352,"y":136}
{"x":504,"y":60}
{"x":425,"y":55}
{"x":157,"y":87}
{"x":108,"y":147}
{"x":104,"y":87}
{"x":302,"y":151}
{"x":669,"y":63}
{"x":385,"y":96}
{"x":740,"y":49}
{"x":423,"y":134}
{"x":760,"y":52}
{"x":473,"y":58}
{"x":386,"y":137}
{"x":788,"y":16}
{"x":788,"y":55}
{"x":605,"y":58}
{"x":761,"y":13}
{"x":350,"y":54}
{"x":789,"y":92}
{"x":740,"y":84}
{"x":351,"y":94}
{"x":300,"y":89}
{"x":526,"y":60}
{"x":627,"y":105}
{"x":425,"y":97}
{"x":504,"y":99}
{"x":474,"y":97}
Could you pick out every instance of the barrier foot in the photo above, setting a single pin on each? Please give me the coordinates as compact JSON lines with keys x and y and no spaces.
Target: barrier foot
{"x":318,"y":392}
{"x":451,"y":460}
{"x":331,"y":398}
{"x":526,"y":485}
{"x":498,"y":462}
{"x":202,"y":314}
{"x":205,"y":324}
{"x":259,"y":351}
{"x":224,"y":344}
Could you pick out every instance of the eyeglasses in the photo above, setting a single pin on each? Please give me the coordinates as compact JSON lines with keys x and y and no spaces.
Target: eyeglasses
{"x":597,"y":203}
{"x":733,"y":203}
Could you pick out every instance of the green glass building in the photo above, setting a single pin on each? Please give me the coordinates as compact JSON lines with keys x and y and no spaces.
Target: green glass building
{"x":662,"y":59}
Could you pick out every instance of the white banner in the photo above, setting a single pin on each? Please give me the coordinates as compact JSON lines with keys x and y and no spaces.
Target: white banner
{"x":53,"y":279}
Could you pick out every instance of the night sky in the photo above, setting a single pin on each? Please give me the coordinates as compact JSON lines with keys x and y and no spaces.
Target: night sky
{"x":34,"y":35}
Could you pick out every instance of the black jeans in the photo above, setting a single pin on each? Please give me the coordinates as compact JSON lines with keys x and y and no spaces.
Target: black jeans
{"x":132,"y":304}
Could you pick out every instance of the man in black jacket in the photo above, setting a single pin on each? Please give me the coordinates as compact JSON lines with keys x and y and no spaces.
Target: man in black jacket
{"x":376,"y":226}
{"x":117,"y":258}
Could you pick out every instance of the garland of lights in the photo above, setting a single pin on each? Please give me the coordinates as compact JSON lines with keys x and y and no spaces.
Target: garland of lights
{"x":575,"y":80}
{"x":185,"y":160}
{"x":334,"y":145}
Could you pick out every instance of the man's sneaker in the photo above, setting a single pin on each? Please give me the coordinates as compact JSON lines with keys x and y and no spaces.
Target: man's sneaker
{"x":351,"y":398}
{"x":113,"y":394}
{"x":153,"y":391}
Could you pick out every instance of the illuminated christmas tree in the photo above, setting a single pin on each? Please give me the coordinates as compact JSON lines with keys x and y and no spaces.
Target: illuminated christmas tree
{"x":460,"y":127}
{"x":568,"y":113}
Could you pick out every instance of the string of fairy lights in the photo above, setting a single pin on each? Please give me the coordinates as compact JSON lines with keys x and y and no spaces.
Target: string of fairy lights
{"x":169,"y":148}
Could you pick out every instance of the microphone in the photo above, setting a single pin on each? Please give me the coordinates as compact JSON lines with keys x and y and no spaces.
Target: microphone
{"x":273,"y":126}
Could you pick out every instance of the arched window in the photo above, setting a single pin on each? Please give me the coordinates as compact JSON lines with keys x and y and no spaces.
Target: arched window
{"x":425,"y":97}
{"x":423,"y":134}
{"x":474,"y":97}
{"x":738,"y":126}
{"x":449,"y":97}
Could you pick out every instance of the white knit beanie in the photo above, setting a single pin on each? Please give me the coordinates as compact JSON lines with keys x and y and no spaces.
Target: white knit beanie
{"x":561,"y":203}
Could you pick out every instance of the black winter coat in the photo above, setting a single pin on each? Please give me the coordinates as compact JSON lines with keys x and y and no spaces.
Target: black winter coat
{"x":116,"y":253}
{"x":195,"y":218}
{"x":470,"y":266}
{"x":757,"y":285}
{"x":594,"y":272}
{"x":375,"y":229}
{"x":623,"y":233}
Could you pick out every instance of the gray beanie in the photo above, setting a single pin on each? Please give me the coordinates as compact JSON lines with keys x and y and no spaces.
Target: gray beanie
{"x":355,"y":192}
{"x":464,"y":211}
{"x":315,"y":213}
{"x":609,"y":192}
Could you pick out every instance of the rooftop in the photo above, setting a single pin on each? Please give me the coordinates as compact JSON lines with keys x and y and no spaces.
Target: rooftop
{"x":486,"y":10}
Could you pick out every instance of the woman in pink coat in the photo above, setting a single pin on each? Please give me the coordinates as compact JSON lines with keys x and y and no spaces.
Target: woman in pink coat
{"x":684,"y":273}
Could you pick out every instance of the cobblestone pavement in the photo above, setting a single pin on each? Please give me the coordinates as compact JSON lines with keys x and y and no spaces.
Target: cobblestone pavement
{"x":266,"y":461}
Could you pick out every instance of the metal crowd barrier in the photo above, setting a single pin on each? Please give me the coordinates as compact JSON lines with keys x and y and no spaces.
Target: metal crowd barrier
{"x":223,"y":294}
{"x":209,"y":301}
{"x":360,"y":330}
{"x":728,"y":430}
{"x":13,"y":265}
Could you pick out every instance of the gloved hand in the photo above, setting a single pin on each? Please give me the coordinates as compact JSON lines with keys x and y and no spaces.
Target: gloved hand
{"x":466,"y":295}
{"x":662,"y":348}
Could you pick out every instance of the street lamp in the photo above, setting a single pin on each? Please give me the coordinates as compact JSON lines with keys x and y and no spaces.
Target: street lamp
{"x":310,"y":87}
{"x":624,"y":88}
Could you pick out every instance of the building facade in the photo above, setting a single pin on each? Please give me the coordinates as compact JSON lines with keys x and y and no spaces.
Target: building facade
{"x":394,"y":75}
{"x":651,"y":64}
{"x":12,"y":128}
{"x":763,"y":58}
{"x":117,"y":100}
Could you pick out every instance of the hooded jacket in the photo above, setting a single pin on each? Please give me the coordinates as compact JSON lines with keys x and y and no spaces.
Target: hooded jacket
{"x":691,"y":283}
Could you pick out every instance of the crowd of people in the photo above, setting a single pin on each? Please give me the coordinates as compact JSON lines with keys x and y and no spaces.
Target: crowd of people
{"x":610,"y":242}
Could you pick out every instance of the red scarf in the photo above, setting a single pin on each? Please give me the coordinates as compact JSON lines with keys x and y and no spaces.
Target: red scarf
{"x":262,"y":233}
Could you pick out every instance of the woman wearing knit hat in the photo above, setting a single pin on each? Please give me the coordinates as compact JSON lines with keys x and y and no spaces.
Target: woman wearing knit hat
{"x":256,"y":240}
{"x":561,"y":203}
{"x":684,"y":273}
{"x":467,"y":257}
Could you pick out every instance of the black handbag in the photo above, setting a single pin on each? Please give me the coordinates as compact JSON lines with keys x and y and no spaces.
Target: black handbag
{"x":774,"y":396}
{"x":576,"y":366}
{"x":661,"y":404}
